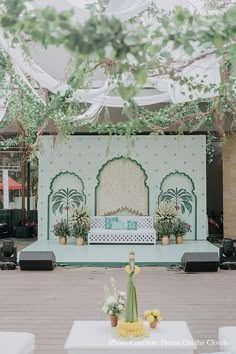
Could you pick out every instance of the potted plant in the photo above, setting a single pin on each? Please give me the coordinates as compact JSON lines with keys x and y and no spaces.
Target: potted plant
{"x":114,"y":303}
{"x":166,"y":214}
{"x":80,"y":223}
{"x":152,"y":316}
{"x":62,"y":231}
{"x":165,"y":230}
{"x":180,"y":228}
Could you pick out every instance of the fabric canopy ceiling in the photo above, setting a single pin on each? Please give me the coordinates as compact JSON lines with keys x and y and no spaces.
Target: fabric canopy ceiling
{"x":163,"y":88}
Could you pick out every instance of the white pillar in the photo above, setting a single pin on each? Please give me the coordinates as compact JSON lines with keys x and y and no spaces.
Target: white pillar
{"x":5,"y":189}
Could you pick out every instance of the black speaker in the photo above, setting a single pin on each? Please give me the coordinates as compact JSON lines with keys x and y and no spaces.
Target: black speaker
{"x":36,"y":260}
{"x":228,"y":254}
{"x":200,"y":262}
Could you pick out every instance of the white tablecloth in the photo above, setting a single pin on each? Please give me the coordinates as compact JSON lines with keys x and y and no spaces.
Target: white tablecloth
{"x":95,"y":337}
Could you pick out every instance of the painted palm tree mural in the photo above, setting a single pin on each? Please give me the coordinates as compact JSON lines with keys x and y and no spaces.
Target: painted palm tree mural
{"x":65,"y":199}
{"x":180,"y":197}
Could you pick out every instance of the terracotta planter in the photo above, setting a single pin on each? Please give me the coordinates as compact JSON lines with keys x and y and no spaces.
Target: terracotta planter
{"x":153,"y":324}
{"x":79,"y":241}
{"x":63,"y":240}
{"x":165,"y":240}
{"x":179,"y":239}
{"x":114,"y":320}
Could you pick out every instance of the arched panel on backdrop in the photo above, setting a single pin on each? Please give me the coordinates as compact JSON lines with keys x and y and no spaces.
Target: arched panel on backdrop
{"x":122,"y":188}
{"x":178,"y":188}
{"x":66,"y":193}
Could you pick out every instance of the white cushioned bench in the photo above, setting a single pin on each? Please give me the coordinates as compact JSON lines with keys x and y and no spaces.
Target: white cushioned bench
{"x":145,"y":233}
{"x":16,"y":343}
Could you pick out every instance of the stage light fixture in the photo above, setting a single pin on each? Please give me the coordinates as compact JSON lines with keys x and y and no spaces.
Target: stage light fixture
{"x":8,"y":255}
{"x":227,"y":254}
{"x":228,"y":247}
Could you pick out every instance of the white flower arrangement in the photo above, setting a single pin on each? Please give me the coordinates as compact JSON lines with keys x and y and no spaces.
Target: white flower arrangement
{"x":80,"y":222}
{"x":115,"y":300}
{"x":166,"y":212}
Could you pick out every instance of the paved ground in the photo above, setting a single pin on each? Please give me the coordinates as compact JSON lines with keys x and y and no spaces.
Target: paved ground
{"x":46,"y":303}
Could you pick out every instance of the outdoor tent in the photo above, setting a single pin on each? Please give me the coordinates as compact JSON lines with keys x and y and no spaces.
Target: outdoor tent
{"x":12,"y":184}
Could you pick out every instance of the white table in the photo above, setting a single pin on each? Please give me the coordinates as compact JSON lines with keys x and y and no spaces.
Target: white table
{"x":227,"y":339}
{"x":95,"y":337}
{"x":16,"y":343}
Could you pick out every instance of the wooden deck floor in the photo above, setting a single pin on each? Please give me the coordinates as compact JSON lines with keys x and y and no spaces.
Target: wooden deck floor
{"x":46,"y":303}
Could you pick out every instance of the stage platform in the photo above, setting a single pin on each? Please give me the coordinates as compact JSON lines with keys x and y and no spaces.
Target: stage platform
{"x":117,"y":255}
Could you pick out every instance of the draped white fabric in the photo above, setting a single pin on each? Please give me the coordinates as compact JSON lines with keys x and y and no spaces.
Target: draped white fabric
{"x":99,"y":97}
{"x":206,"y":68}
{"x":90,"y":114}
{"x":46,"y":81}
{"x":27,"y":83}
{"x":126,"y":9}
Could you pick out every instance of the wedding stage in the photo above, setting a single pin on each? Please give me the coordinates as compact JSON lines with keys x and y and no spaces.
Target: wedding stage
{"x":116,"y":255}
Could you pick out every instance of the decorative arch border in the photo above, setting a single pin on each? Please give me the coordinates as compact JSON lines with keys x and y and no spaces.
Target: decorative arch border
{"x":51,"y":191}
{"x":192,"y":191}
{"x":118,"y":158}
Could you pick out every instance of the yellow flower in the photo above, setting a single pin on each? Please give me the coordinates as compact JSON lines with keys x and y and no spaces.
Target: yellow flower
{"x":150,"y":318}
{"x":135,"y":329}
{"x":156,"y":312}
{"x":122,"y":332}
{"x":159,"y":318}
{"x":147,"y":313}
{"x":136,"y":269}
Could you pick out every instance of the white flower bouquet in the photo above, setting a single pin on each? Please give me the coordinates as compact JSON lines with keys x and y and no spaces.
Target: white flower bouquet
{"x":115,"y":300}
{"x":166,"y":212}
{"x":80,"y":222}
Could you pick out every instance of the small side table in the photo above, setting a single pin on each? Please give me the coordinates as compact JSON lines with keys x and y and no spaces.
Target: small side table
{"x":17,"y":343}
{"x":227,"y":339}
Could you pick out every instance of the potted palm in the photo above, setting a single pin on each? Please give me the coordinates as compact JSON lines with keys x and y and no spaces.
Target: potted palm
{"x":62,"y":231}
{"x":166,"y":214}
{"x":180,"y":228}
{"x":80,"y":223}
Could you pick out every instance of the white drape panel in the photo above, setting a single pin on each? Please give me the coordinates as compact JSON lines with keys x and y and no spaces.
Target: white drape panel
{"x":28,"y":65}
{"x":169,"y":5}
{"x":98,"y":97}
{"x":122,"y":186}
{"x":90,"y":114}
{"x":19,"y":72}
{"x":124,"y":10}
{"x":207,"y":69}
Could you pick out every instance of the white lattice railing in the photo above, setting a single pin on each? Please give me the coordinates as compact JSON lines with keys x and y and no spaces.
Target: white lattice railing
{"x":144,"y":222}
{"x":145,"y":232}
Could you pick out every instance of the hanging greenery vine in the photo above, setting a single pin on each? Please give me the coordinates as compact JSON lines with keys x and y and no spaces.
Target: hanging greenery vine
{"x":133,"y":53}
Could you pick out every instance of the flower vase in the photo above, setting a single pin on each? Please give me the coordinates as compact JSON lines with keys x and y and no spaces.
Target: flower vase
{"x":165,"y":240}
{"x":114,"y":320}
{"x":179,"y":239}
{"x":63,"y":240}
{"x":79,"y":241}
{"x":153,"y":324}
